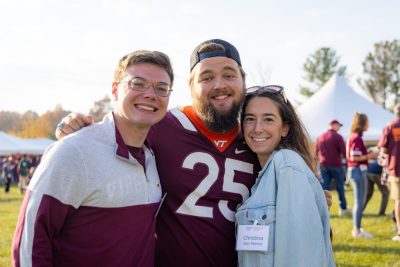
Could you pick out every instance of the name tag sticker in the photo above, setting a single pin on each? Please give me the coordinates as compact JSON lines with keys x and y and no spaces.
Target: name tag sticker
{"x":252,"y":237}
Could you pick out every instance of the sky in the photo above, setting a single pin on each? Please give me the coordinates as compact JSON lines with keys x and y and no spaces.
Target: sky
{"x":65,"y":51}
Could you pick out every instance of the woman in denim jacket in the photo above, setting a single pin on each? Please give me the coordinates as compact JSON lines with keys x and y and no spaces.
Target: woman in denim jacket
{"x":285,"y":221}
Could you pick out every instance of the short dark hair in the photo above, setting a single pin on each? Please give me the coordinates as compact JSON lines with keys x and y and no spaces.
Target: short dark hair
{"x":143,"y":56}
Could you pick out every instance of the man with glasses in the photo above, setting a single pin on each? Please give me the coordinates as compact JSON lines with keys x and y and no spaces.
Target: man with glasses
{"x":205,"y":167}
{"x":93,"y":199}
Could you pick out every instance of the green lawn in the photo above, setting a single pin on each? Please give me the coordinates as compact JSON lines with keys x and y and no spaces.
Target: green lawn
{"x":378,"y":251}
{"x":9,"y":210}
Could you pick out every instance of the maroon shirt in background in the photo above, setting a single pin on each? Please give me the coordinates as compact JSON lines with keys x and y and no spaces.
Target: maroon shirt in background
{"x":188,"y":162}
{"x":355,"y":147}
{"x":330,"y":149}
{"x":390,"y":140}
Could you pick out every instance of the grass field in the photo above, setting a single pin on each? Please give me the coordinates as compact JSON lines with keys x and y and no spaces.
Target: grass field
{"x":378,"y":251}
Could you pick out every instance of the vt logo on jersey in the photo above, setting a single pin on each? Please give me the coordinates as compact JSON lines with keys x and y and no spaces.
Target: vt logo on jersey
{"x":220,"y":140}
{"x":220,"y":143}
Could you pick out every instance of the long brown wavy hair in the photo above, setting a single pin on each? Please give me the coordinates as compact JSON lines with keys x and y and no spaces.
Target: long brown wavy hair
{"x":358,"y":123}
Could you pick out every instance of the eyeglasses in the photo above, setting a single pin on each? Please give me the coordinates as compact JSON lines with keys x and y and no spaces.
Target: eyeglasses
{"x":141,"y":85}
{"x":273,"y":89}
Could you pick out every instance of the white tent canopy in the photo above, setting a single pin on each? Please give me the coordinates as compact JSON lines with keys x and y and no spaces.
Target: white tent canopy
{"x":337,"y":100}
{"x":14,"y":145}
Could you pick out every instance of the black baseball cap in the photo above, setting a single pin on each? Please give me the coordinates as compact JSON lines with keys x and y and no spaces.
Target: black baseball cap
{"x":230,"y":52}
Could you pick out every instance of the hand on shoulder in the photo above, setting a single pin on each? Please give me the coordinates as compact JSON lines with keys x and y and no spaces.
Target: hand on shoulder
{"x":71,"y":123}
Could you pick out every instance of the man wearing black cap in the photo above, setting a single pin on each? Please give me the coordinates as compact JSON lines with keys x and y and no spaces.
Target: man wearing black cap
{"x":206,"y":169}
{"x":330,"y":149}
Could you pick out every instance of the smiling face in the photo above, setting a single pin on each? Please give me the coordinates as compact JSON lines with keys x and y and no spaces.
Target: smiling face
{"x":217,"y":91}
{"x":263,"y":127}
{"x":135,"y":109}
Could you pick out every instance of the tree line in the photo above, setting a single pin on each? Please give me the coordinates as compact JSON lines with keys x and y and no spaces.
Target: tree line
{"x":32,"y":125}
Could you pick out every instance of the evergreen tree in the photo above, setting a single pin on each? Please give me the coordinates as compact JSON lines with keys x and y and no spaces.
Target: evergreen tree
{"x":319,"y":67}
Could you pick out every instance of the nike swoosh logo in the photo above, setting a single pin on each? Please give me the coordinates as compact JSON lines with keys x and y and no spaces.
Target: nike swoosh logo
{"x":237,"y":151}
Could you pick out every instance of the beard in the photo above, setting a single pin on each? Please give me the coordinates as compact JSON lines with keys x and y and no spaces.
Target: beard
{"x":217,"y":121}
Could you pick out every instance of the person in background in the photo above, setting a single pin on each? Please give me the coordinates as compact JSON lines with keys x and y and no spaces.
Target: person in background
{"x":330,"y":149}
{"x":8,"y":173}
{"x":93,"y":199}
{"x":34,"y":164}
{"x":1,"y":170}
{"x":374,"y":174}
{"x":286,"y":212}
{"x":23,"y":168}
{"x":357,"y":166}
{"x":390,"y":146}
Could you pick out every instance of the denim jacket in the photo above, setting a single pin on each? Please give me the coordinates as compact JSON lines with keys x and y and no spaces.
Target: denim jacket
{"x":289,"y":198}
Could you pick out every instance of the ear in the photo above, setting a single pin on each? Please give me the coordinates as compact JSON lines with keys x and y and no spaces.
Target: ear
{"x":285,"y":130}
{"x":114,"y":90}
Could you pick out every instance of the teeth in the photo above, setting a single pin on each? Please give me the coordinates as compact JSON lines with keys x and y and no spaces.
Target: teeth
{"x":145,"y":107}
{"x":220,"y":97}
{"x":259,"y":139}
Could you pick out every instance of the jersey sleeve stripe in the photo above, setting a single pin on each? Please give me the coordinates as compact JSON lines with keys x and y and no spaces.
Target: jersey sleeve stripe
{"x":183,"y":119}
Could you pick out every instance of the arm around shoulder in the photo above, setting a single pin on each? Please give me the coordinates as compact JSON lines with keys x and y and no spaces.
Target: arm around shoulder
{"x":71,"y":123}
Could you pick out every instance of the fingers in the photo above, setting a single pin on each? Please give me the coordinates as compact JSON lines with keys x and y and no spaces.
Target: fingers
{"x":88,"y":119}
{"x":328,"y":197}
{"x":63,"y":128}
{"x":59,"y":131}
{"x":72,"y":123}
{"x":60,"y":134}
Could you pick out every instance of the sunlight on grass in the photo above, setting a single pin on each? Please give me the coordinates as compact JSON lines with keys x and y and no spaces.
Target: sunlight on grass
{"x":377,"y":251}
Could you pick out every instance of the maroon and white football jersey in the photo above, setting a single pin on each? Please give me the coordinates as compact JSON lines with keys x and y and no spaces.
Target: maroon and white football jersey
{"x":205,"y":176}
